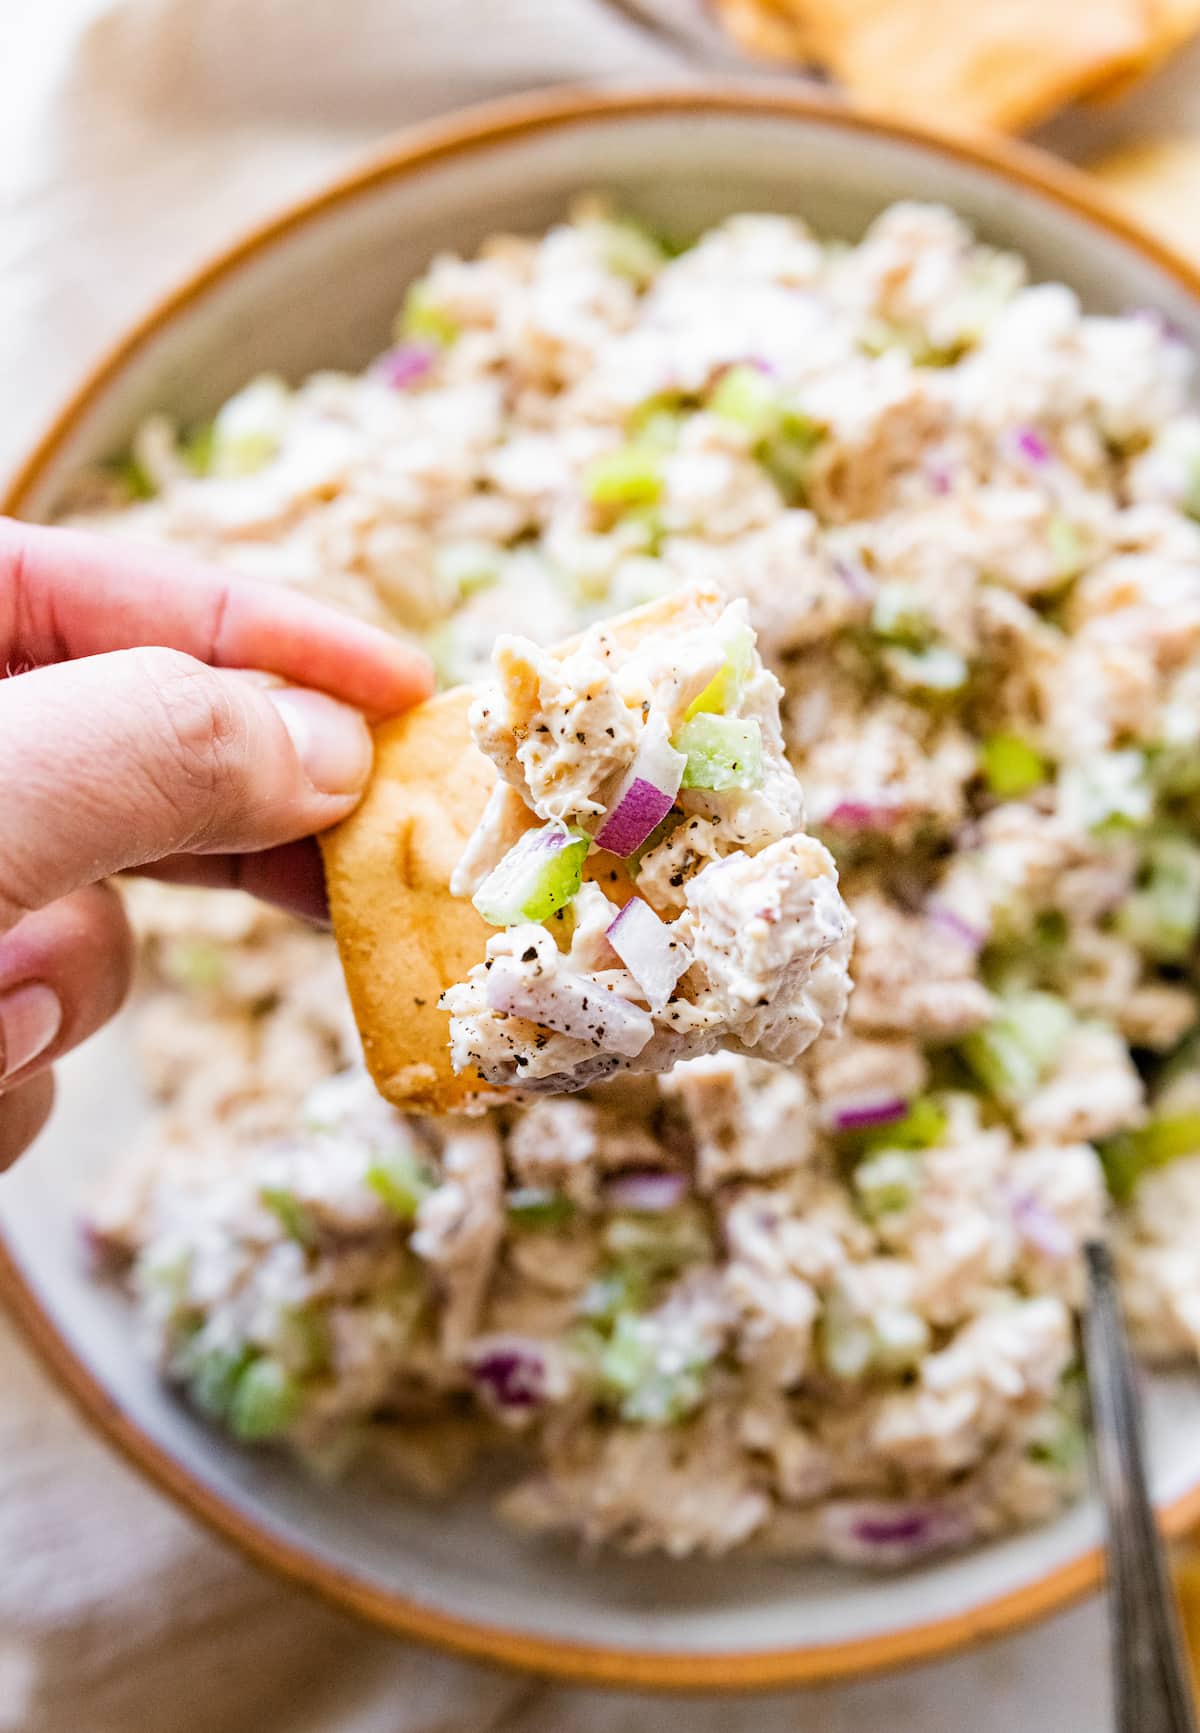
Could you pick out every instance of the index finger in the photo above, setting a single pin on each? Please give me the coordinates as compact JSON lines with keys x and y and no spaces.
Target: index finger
{"x":68,"y":593}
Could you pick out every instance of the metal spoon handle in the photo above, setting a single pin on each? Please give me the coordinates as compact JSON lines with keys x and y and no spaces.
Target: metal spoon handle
{"x":1151,"y":1686}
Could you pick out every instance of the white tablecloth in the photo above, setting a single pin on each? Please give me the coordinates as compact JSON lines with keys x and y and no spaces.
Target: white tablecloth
{"x":134,"y":136}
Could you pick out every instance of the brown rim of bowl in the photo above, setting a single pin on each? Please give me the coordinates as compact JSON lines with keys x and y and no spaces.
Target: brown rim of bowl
{"x":477,"y":130}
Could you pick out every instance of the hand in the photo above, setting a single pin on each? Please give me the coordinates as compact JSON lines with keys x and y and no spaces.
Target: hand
{"x":205,"y":761}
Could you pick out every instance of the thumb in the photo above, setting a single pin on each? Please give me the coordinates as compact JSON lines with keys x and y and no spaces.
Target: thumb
{"x":115,"y":761}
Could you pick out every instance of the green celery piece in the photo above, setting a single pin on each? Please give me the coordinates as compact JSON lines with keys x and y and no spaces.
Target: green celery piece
{"x":898,"y":617}
{"x":198,"y":447}
{"x":1067,"y":544}
{"x":1012,"y":1054}
{"x":725,"y":688}
{"x":535,"y":1208}
{"x":922,"y":1127}
{"x":722,"y":752}
{"x":622,"y":1287}
{"x":1059,"y":1444}
{"x":401,"y":1179}
{"x":658,"y":1245}
{"x":302,"y":1339}
{"x":887,"y":1182}
{"x":133,"y":478}
{"x":213,"y":1374}
{"x":421,"y":318}
{"x":629,"y":476}
{"x":786,"y":454}
{"x":1130,"y":1154}
{"x":196,"y":964}
{"x":1162,"y":917}
{"x":937,"y":670}
{"x":628,"y":1368}
{"x":265,"y":1401}
{"x":464,"y":568}
{"x":629,"y":250}
{"x":746,"y":396}
{"x":290,"y":1213}
{"x":543,"y":882}
{"x":1011,"y":766}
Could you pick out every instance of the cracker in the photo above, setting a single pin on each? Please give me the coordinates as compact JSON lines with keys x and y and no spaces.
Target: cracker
{"x":402,"y":937}
{"x":1157,"y":182}
{"x":1004,"y":64}
{"x":1169,"y":24}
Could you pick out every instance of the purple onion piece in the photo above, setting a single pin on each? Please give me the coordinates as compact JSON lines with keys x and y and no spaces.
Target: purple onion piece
{"x":955,"y":926}
{"x":570,"y":1004}
{"x":646,"y":1190}
{"x":863,"y":815}
{"x":854,"y":577}
{"x":637,"y":812}
{"x":1032,"y":447}
{"x":1041,"y":1229}
{"x":512,"y":1373}
{"x":889,"y":1533}
{"x":649,"y":951}
{"x":864,"y":1112}
{"x":404,"y":365}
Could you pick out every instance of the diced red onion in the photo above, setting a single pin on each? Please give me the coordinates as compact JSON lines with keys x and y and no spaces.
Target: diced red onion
{"x":939,"y":476}
{"x":404,"y":365}
{"x":855,"y":578}
{"x":570,"y":1004}
{"x":864,"y":815}
{"x":648,"y":950}
{"x":955,"y":926}
{"x":889,"y":1533}
{"x":1040,"y":1228}
{"x":864,"y":1112}
{"x":645,"y":794}
{"x":645,"y":1189}
{"x":512,"y":1373}
{"x":1032,"y":447}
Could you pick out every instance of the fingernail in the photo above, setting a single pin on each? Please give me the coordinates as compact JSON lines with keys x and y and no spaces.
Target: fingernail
{"x":30,"y":1018}
{"x":332,"y":741}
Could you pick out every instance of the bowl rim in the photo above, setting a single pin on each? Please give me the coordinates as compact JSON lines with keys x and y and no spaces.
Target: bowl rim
{"x":471,"y":131}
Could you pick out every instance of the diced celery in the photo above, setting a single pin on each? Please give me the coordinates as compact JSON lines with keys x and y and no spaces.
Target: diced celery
{"x":196,"y":964}
{"x":656,"y":422}
{"x":1011,"y":766}
{"x":1162,"y":916}
{"x":922,"y":1127}
{"x":248,"y":430}
{"x":659,"y":1244}
{"x":937,"y":671}
{"x":746,"y":396}
{"x":629,"y":476}
{"x":629,"y":250}
{"x":301,"y":1340}
{"x":1130,"y":1154}
{"x":539,"y":874}
{"x":401,"y":1179}
{"x":133,"y":478}
{"x":1012,"y":1054}
{"x":722,"y":752}
{"x":537,"y":1207}
{"x":265,"y":1401}
{"x":197,"y":448}
{"x":619,"y":1288}
{"x":1057,"y":1442}
{"x":291,"y":1214}
{"x":901,"y":1338}
{"x":1110,"y":792}
{"x":787,"y":452}
{"x":651,"y":1393}
{"x":423,"y":319}
{"x":887,"y":1183}
{"x":847,"y":1344}
{"x":213,"y":1372}
{"x":1067,"y":545}
{"x":725,"y":689}
{"x":898,"y":616}
{"x":465,"y":568}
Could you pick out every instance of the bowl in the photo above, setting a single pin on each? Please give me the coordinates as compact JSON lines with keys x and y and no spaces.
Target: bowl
{"x":318,"y":286}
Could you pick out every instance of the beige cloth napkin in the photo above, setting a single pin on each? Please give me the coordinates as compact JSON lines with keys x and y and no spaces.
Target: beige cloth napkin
{"x":135,"y":135}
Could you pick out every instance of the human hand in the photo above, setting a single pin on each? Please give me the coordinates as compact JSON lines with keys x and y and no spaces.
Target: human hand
{"x":174,"y":759}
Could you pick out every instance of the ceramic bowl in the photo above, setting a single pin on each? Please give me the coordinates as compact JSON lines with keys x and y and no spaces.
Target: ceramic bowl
{"x":317,"y":287}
